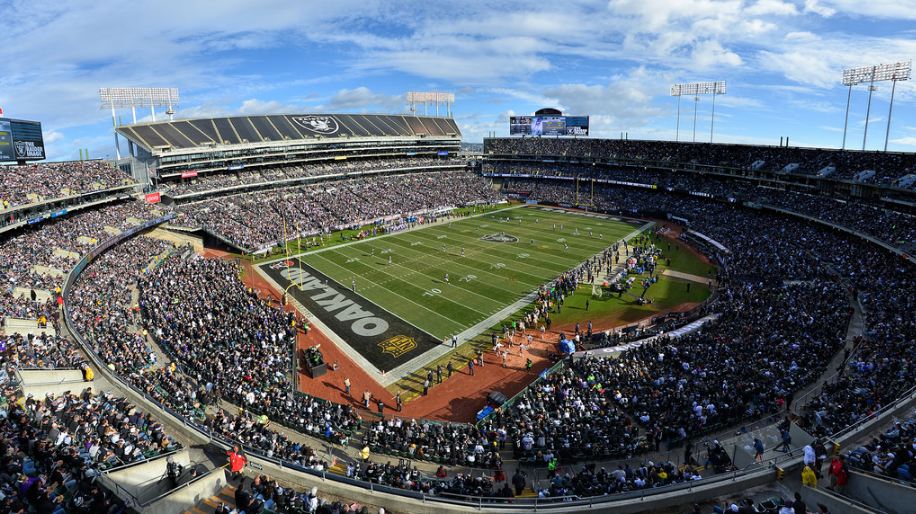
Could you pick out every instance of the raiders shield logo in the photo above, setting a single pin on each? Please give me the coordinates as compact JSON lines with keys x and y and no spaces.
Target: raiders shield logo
{"x":397,"y":345}
{"x":324,"y":125}
{"x":500,"y":237}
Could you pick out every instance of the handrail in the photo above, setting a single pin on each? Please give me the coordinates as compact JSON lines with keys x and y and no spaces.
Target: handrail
{"x":185,"y":485}
{"x":144,"y":460}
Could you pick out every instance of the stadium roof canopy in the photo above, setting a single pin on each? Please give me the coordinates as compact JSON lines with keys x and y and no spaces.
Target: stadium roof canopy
{"x":209,"y":133}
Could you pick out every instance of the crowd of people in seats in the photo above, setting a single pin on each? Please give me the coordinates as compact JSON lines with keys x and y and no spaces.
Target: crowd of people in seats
{"x":880,"y":369}
{"x":570,"y":416}
{"x":41,"y":351}
{"x":263,"y":493}
{"x":842,"y":164}
{"x":405,"y":476}
{"x":55,"y":447}
{"x":223,"y":340}
{"x":259,"y":219}
{"x":31,"y":183}
{"x":783,"y":315}
{"x":447,"y":443}
{"x":891,"y":453}
{"x":215,"y":181}
{"x":591,"y":480}
{"x":38,"y":257}
{"x":894,"y":227}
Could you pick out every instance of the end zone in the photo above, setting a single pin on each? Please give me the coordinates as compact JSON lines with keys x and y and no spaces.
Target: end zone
{"x":376,"y":339}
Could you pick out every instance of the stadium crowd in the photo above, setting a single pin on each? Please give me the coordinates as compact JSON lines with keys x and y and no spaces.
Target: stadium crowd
{"x":215,"y":181}
{"x":839,"y":164}
{"x":890,"y":453}
{"x":55,"y":447}
{"x":763,"y":253}
{"x":265,"y":218}
{"x":771,"y":340}
{"x":896,"y":228}
{"x":224,"y":342}
{"x":20,"y":185}
{"x":36,"y":258}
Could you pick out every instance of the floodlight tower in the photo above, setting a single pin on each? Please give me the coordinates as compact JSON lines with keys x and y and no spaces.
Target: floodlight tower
{"x":425,"y":97}
{"x":122,"y":97}
{"x":696,"y":89}
{"x":871,"y":74}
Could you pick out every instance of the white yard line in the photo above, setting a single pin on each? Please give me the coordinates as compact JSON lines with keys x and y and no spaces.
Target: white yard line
{"x":537,"y":278}
{"x":472,"y":241}
{"x":389,"y":234}
{"x":389,"y":291}
{"x":427,"y":257}
{"x":414,"y":272}
{"x":436,"y":352}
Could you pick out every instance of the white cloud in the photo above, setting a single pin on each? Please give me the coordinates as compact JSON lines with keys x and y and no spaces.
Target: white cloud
{"x":814,"y":7}
{"x":709,"y":53}
{"x":52,"y":136}
{"x":256,"y":106}
{"x":905,"y":141}
{"x":801,"y":36}
{"x":898,"y":9}
{"x":363,"y":98}
{"x":777,"y":7}
{"x":625,"y":103}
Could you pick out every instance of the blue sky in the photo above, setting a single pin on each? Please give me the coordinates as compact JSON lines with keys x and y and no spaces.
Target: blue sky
{"x":614,"y":60}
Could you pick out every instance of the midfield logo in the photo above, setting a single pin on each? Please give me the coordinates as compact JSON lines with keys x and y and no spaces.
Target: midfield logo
{"x":398,"y":345}
{"x":500,"y":237}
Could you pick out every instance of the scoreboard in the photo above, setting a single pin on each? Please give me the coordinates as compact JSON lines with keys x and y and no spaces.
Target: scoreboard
{"x":21,"y":140}
{"x":548,"y":125}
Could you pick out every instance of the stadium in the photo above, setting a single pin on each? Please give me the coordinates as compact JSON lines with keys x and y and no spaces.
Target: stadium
{"x":349,"y":312}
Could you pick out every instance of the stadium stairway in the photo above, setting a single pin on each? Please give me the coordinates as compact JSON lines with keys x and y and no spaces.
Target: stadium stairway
{"x":209,"y":505}
{"x":177,"y":238}
{"x":25,"y":327}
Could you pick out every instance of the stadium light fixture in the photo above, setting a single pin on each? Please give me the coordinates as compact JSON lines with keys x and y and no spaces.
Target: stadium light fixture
{"x":696,"y":89}
{"x":425,"y":97}
{"x":122,"y":97}
{"x":870,"y":74}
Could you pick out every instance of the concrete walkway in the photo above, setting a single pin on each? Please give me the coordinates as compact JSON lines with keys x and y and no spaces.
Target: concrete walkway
{"x":688,"y":276}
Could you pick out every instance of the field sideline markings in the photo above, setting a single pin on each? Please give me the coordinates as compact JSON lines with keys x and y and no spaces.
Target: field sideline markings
{"x":484,"y":263}
{"x":426,"y":256}
{"x":529,"y":231}
{"x":550,"y":257}
{"x":408,"y":368}
{"x":390,"y":291}
{"x":414,"y":272}
{"x":511,"y":255}
{"x":389,"y":234}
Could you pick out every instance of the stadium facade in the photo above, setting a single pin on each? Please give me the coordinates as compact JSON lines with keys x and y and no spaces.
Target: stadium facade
{"x":165,"y":150}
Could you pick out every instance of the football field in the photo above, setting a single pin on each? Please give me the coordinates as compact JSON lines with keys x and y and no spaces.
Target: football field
{"x":491,"y":261}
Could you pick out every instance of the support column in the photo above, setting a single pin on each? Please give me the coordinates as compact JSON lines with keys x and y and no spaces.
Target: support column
{"x":871,"y":89}
{"x":890,"y":111}
{"x":114,"y":124}
{"x":846,"y":120}
{"x":677,"y":125}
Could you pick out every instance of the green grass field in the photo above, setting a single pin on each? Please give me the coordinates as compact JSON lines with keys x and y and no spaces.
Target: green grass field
{"x":484,"y":276}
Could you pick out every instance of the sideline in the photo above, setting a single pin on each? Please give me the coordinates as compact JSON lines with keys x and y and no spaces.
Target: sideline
{"x":471,"y":332}
{"x":387,"y":234}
